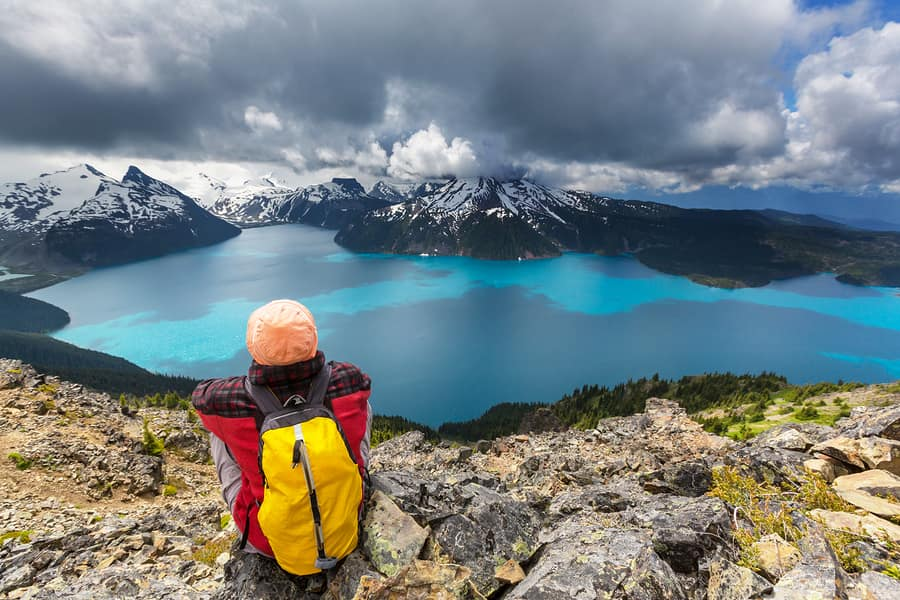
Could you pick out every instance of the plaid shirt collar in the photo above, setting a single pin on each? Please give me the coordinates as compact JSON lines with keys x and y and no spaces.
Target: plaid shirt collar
{"x":286,"y":375}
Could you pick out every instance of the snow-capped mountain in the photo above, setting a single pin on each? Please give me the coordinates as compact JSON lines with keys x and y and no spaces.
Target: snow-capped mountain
{"x":479,"y":216}
{"x":81,"y":218}
{"x":35,"y":204}
{"x":267,"y":202}
{"x":402,"y":192}
{"x":489,"y":218}
{"x":390,"y":192}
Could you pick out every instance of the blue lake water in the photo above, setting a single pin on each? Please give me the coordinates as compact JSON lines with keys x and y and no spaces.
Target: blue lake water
{"x":444,"y":338}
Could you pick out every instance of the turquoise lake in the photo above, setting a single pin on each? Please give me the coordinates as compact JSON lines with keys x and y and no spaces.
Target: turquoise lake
{"x":444,"y":338}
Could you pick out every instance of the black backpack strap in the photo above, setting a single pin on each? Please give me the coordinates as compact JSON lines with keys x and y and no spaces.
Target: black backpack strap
{"x":319,"y":386}
{"x":264,"y":398}
{"x":267,"y":402}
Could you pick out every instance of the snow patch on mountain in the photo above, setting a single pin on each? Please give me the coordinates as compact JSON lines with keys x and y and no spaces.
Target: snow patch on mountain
{"x":459,"y":199}
{"x":35,"y":204}
{"x":267,"y":201}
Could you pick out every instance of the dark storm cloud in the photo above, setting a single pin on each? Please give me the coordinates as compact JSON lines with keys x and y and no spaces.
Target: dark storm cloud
{"x":41,"y":104}
{"x":682,"y":86}
{"x":571,"y":80}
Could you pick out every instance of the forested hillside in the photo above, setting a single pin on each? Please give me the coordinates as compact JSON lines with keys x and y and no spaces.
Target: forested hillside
{"x":586,"y":405}
{"x":18,"y":313}
{"x":100,"y":371}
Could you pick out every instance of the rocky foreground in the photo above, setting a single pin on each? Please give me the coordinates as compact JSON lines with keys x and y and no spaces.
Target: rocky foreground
{"x":95,"y":504}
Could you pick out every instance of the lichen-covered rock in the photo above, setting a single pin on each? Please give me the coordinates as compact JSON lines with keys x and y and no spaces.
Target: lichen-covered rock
{"x":345,"y":582}
{"x":191,"y":444}
{"x":775,"y":556}
{"x":880,"y":453}
{"x":818,"y":575}
{"x":509,"y":572}
{"x":684,"y":530}
{"x":489,"y":530}
{"x":728,"y":581}
{"x":687,"y":478}
{"x":863,"y":453}
{"x":392,"y":539}
{"x":585,"y":563}
{"x":422,"y":580}
{"x":600,"y":498}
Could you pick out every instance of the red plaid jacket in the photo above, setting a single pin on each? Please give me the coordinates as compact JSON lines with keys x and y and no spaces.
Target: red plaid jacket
{"x":227,"y":411}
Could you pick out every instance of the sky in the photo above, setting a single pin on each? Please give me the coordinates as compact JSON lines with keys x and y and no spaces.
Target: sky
{"x":673,"y":99}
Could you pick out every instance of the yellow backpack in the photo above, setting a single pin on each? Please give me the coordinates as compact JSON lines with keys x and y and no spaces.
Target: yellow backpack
{"x":313,"y":489}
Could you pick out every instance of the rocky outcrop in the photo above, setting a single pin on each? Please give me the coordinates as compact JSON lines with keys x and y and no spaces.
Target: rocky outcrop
{"x":871,"y":421}
{"x":622,"y":510}
{"x":87,"y":512}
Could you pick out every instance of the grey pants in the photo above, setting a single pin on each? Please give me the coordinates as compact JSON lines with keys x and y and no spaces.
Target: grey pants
{"x":229,"y":473}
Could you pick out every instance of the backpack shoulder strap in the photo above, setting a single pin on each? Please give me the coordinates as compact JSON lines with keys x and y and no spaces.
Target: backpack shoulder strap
{"x":267,"y":402}
{"x":319,"y":386}
{"x":264,"y":398}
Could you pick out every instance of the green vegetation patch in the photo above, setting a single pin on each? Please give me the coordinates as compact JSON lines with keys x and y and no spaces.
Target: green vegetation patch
{"x":763,"y":509}
{"x":150,"y":442}
{"x":210,"y":550}
{"x":23,"y":536}
{"x":22,"y":463}
{"x":385,"y":428}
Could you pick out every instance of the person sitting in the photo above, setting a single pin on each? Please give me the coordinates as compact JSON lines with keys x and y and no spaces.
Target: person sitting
{"x":283,"y":342}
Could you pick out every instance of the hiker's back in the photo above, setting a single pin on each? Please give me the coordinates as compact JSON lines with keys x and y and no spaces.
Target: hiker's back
{"x":297,"y":434}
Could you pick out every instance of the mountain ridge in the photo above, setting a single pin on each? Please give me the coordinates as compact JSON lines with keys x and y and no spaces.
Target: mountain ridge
{"x":329,"y":205}
{"x":519,"y":219}
{"x":66,"y":222}
{"x":482,"y":217}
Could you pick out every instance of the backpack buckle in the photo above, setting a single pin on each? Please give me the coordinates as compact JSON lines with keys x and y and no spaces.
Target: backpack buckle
{"x":326,"y":563}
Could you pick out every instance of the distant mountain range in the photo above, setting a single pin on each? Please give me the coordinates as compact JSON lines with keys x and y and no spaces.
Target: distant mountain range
{"x":487,"y":218}
{"x":63,"y":223}
{"x":80,"y":218}
{"x":266,"y":201}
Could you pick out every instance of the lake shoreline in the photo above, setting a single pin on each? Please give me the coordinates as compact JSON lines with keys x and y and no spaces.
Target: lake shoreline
{"x":420,"y":326}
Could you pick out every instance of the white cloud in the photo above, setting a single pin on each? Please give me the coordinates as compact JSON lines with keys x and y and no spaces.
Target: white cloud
{"x":372,"y":157}
{"x":845,"y":131}
{"x":609,"y":178}
{"x":294,"y":158}
{"x":426,"y":153}
{"x":751,"y":132}
{"x":260,"y":121}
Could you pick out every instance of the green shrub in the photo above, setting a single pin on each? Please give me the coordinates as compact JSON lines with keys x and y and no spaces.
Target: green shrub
{"x":807,"y":413}
{"x":23,"y":536}
{"x":210,"y":550}
{"x":22,"y":463}
{"x":48,"y":388}
{"x":152,"y":444}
